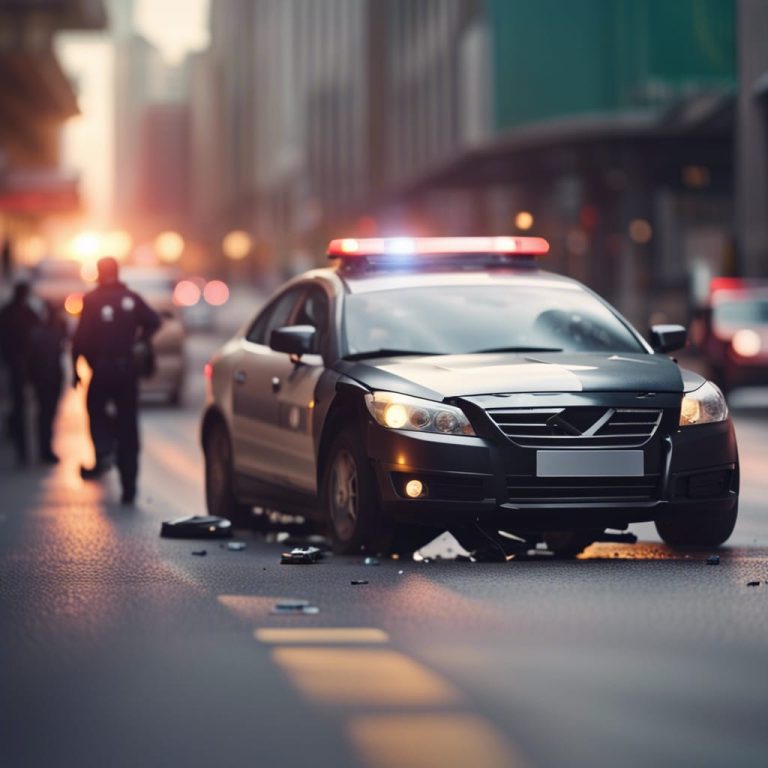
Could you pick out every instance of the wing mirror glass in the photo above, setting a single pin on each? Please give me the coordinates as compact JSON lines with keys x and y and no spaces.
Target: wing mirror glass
{"x":667,"y":338}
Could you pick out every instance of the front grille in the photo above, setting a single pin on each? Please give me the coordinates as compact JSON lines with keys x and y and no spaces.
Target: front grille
{"x":578,"y":427}
{"x":526,"y":489}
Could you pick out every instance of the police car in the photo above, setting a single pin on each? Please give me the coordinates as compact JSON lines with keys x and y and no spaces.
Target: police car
{"x":419,"y":385}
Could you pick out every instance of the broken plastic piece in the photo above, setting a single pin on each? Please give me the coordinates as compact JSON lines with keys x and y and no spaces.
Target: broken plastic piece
{"x":197,"y":527}
{"x":295,"y":607}
{"x":200,"y":552}
{"x":371,"y":561}
{"x":301,"y":556}
{"x":236,"y":546}
{"x":713,"y":560}
{"x":753,"y":583}
{"x":358,"y":582}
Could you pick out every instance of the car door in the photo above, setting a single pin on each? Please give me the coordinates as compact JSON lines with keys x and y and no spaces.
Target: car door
{"x":256,"y":434}
{"x":294,"y":398}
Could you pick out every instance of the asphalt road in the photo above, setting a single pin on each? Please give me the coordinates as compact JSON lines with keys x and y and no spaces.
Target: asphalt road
{"x":119,"y":648}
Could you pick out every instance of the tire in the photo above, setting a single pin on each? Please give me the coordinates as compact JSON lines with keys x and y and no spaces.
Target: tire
{"x":706,"y":529}
{"x":220,"y":498}
{"x":566,"y":545}
{"x":356,"y":522}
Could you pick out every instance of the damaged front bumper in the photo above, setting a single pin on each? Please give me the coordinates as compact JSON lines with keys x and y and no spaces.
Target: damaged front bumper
{"x":486,"y":480}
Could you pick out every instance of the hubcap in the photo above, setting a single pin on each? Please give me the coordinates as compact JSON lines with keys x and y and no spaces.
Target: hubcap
{"x":343,"y":494}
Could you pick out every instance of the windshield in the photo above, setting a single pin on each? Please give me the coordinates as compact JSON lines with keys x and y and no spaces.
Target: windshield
{"x":464,"y":319}
{"x":745,"y":312}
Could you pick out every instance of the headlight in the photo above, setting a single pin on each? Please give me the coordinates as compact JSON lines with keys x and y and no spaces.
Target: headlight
{"x":411,"y":413}
{"x":702,"y":406}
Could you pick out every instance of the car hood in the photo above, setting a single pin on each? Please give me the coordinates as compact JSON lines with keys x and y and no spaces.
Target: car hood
{"x":447,"y":376}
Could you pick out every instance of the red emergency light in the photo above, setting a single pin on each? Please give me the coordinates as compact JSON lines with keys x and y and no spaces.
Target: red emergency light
{"x":726,"y":284}
{"x":437,"y":246}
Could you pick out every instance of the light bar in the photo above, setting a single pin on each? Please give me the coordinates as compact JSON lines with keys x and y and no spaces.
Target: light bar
{"x":437,"y":246}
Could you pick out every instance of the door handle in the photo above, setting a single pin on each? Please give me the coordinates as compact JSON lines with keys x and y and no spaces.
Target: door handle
{"x":240,"y":377}
{"x":276,"y":384}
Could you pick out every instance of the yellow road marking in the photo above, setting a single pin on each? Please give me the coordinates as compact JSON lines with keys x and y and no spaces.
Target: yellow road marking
{"x":321,"y":635}
{"x":430,"y":741}
{"x":363,"y":676}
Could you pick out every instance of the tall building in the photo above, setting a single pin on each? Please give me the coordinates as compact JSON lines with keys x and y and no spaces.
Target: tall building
{"x":607,"y":123}
{"x":36,"y":98}
{"x":151,"y":131}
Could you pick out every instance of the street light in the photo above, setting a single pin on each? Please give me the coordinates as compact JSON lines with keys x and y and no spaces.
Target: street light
{"x":169,"y":246}
{"x":237,"y":244}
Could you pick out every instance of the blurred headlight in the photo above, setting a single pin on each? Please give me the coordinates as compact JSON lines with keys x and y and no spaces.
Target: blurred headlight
{"x":411,"y":413}
{"x":746,"y":343}
{"x":703,"y":406}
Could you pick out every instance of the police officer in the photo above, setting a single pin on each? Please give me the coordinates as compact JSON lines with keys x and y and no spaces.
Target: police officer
{"x":17,"y":321}
{"x":113,"y":321}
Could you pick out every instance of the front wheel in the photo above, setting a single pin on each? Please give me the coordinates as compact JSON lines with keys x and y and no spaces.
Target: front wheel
{"x":220,"y":497}
{"x":705,"y":529}
{"x":352,"y":510}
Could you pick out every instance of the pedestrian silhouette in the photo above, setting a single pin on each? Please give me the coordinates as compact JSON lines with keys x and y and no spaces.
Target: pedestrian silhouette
{"x":114,"y":320}
{"x":46,"y":373}
{"x":17,"y":320}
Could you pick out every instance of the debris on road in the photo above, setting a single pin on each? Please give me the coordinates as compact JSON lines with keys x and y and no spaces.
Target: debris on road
{"x":753,"y":583}
{"x":371,"y":561}
{"x":358,"y":582}
{"x":295,"y":607}
{"x":236,"y":546}
{"x":301,"y":556}
{"x":400,"y":573}
{"x":200,"y":552}
{"x":197,"y":527}
{"x":713,"y":560}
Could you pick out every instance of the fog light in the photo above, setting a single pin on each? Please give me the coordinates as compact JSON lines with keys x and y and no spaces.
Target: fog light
{"x":414,"y":489}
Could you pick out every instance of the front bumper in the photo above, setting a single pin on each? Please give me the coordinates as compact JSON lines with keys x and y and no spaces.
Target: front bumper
{"x":490,"y":480}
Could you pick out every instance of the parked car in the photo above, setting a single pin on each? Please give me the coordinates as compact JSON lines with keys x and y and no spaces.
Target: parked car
{"x":60,"y":284}
{"x":419,"y":385}
{"x":731,"y":331}
{"x":156,"y":286}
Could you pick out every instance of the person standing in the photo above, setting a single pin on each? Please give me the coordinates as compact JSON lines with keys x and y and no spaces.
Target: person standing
{"x":114,"y":319}
{"x":17,"y":320}
{"x":44,"y":365}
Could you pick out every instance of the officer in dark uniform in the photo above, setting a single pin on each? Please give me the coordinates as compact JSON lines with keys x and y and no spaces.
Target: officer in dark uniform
{"x":113,"y":321}
{"x":17,"y":321}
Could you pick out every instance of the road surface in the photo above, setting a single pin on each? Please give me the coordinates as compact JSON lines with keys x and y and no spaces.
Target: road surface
{"x":119,"y":648}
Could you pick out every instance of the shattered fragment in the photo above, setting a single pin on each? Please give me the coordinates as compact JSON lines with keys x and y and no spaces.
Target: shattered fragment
{"x":295,"y":607}
{"x":358,"y":582}
{"x":200,"y":552}
{"x":236,"y":546}
{"x":371,"y":561}
{"x":197,"y":527}
{"x":753,"y":583}
{"x":301,"y":556}
{"x":713,"y":560}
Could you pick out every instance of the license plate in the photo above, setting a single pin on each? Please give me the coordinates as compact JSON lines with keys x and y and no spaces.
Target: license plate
{"x":589,"y":464}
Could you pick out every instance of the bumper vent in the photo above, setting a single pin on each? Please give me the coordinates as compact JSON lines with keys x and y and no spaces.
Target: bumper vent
{"x":579,"y":489}
{"x":578,"y":427}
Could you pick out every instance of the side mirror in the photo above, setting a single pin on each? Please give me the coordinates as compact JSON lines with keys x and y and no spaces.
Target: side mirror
{"x":293,"y":339}
{"x":667,"y":338}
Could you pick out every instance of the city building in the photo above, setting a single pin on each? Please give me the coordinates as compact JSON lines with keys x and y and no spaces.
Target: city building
{"x":605,"y":125}
{"x":36,"y":98}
